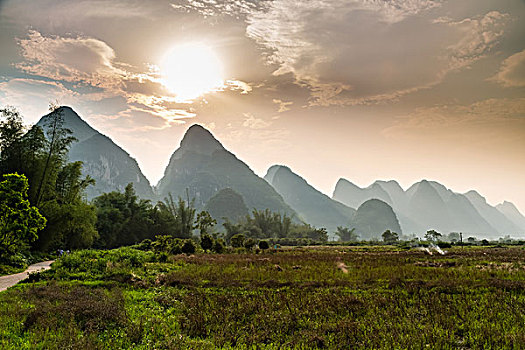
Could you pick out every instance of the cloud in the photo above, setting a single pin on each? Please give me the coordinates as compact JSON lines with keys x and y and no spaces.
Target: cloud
{"x":478,"y":36}
{"x":218,"y":8}
{"x":64,"y":13}
{"x":74,"y":59}
{"x":239,"y":85}
{"x":361,"y":52}
{"x":512,"y":71}
{"x":283,"y":105}
{"x":254,"y":123}
{"x":33,"y":96}
{"x":90,"y":64}
{"x":455,"y":118}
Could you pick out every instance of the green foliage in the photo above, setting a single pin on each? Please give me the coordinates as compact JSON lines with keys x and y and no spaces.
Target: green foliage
{"x":206,"y":241}
{"x":390,"y":237}
{"x":56,"y":186}
{"x":346,"y":234}
{"x":232,"y":229}
{"x":178,"y":219}
{"x":70,"y":225}
{"x":188,"y":247}
{"x":249,"y":243}
{"x":123,"y":218}
{"x":264,"y":245}
{"x":218,"y":246}
{"x":205,"y":222}
{"x":59,"y":140}
{"x":237,"y":241}
{"x":11,"y":134}
{"x":19,"y":221}
{"x":432,"y":235}
{"x":265,"y":224}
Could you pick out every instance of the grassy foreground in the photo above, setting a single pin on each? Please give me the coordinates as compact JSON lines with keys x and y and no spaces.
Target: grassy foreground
{"x":334,"y":297}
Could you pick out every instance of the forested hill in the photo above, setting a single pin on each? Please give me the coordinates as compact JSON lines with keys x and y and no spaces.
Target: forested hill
{"x":103,"y":160}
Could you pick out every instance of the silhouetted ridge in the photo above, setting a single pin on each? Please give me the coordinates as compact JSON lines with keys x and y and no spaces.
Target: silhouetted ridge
{"x":202,"y":166}
{"x":512,"y":213}
{"x":495,"y":218}
{"x":312,"y":206}
{"x":81,"y":130}
{"x":103,"y":160}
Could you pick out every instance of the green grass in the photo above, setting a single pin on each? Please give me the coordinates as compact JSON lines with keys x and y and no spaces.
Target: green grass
{"x":290,"y":299}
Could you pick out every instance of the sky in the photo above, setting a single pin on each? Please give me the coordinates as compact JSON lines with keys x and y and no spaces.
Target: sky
{"x":360,"y":89}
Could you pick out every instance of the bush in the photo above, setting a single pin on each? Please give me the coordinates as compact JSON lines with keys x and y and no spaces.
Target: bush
{"x":218,"y":246}
{"x":237,"y":240}
{"x":264,"y":245}
{"x":144,"y":245}
{"x":188,"y":247}
{"x":206,"y":242}
{"x":249,"y":243}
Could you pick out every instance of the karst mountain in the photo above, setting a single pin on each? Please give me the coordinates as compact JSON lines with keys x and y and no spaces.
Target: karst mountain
{"x":203,"y":170}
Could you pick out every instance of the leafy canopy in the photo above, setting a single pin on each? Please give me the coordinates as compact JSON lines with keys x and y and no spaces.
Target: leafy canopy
{"x":19,"y":221}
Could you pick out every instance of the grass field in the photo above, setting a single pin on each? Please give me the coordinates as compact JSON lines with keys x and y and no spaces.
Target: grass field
{"x":324,"y":297}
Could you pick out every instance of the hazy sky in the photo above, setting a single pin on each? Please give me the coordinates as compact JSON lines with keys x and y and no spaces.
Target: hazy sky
{"x":361,"y":89}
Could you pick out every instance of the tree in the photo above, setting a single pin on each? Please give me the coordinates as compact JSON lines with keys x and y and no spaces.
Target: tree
{"x":11,"y":133}
{"x":232,"y":229}
{"x":123,"y":219}
{"x":390,"y":237}
{"x":453,"y":237}
{"x":432,"y":235}
{"x":205,"y":222}
{"x":346,"y":234}
{"x":59,"y":139}
{"x":282,"y":224}
{"x":180,"y":216}
{"x":19,"y":221}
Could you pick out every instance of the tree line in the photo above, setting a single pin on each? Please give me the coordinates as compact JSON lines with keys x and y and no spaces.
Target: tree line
{"x":44,"y":206}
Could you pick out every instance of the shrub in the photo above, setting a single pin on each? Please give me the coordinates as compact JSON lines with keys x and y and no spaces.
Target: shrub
{"x":264,"y":245}
{"x":206,"y":242}
{"x":237,"y":241}
{"x":249,"y":243}
{"x":188,"y":247}
{"x":218,"y":246}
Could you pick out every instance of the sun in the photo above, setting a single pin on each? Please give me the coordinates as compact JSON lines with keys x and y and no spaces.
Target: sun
{"x":191,"y":70}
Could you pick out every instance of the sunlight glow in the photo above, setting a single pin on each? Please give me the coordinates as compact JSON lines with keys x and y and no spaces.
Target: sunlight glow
{"x":191,"y":70}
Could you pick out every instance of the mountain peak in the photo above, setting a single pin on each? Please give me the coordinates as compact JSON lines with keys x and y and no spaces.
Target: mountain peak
{"x":72,"y":121}
{"x":474,"y":195}
{"x":270,"y":173}
{"x":198,"y":139}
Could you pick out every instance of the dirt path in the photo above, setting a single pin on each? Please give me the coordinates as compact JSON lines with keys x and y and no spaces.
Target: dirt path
{"x":11,"y":280}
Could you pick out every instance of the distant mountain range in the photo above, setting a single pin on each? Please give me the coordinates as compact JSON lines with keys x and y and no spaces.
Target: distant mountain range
{"x":430,"y":205}
{"x":203,"y":169}
{"x":371,"y":219}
